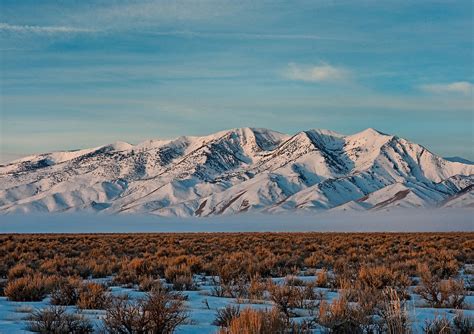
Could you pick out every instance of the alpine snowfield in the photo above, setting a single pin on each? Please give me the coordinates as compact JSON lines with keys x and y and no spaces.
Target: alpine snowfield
{"x":239,"y":170}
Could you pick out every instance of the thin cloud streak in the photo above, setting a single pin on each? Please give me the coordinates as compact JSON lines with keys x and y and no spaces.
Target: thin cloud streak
{"x":241,"y":35}
{"x":5,"y":27}
{"x":462,"y":87}
{"x":34,"y":29}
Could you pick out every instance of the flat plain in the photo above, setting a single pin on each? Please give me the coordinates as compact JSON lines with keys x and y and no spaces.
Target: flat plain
{"x":300,"y":282}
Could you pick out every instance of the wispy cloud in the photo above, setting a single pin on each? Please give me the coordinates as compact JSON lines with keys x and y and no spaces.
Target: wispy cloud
{"x":318,"y":73}
{"x":5,"y":27}
{"x":241,"y":35}
{"x":459,"y":87}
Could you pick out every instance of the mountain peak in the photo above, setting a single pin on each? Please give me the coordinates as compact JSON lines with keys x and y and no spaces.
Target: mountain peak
{"x":371,"y":132}
{"x":231,"y":171}
{"x":118,"y":146}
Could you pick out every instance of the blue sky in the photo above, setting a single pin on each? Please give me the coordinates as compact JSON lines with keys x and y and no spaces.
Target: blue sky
{"x":85,"y":73}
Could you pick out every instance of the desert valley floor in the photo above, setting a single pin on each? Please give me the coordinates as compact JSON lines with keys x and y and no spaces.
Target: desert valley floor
{"x":304,"y":282}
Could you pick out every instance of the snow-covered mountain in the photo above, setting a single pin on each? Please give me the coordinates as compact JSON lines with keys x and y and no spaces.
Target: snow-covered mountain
{"x":238,"y":170}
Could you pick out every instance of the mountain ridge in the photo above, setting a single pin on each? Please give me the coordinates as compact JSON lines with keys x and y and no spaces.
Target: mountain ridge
{"x":237,"y":170}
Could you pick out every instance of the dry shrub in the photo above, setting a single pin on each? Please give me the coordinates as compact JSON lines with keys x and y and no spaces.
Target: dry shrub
{"x":235,"y":271}
{"x":192,"y":262}
{"x":344,"y":270}
{"x":322,"y":279}
{"x":66,"y":292}
{"x":313,"y":260}
{"x":148,"y":283}
{"x":285,"y":297}
{"x":369,"y":291}
{"x":59,"y":265}
{"x":96,"y":270}
{"x":342,"y":317}
{"x":224,"y":316}
{"x":180,"y":276}
{"x":369,"y":301}
{"x":453,"y":293}
{"x":125,"y":316}
{"x":29,"y":288}
{"x":262,"y":322}
{"x":182,"y":283}
{"x":18,"y":271}
{"x":308,"y":297}
{"x":393,"y":313}
{"x":55,"y":320}
{"x":93,"y":296}
{"x":444,"y":263}
{"x":438,"y":325}
{"x":440,"y":293}
{"x":234,"y":288}
{"x":462,"y":324}
{"x":160,"y":312}
{"x":131,"y":270}
{"x":380,"y":277}
{"x":373,"y":311}
{"x":257,"y":288}
{"x":294,"y":281}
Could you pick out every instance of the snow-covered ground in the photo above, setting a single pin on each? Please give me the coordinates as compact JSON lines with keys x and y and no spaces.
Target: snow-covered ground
{"x":202,"y":307}
{"x":406,"y":220}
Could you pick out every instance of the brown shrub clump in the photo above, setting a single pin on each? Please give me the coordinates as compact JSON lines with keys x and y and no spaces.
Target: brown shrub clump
{"x":148,"y":283}
{"x":440,"y":292}
{"x":442,"y":325}
{"x":342,"y":317}
{"x":224,"y":316}
{"x":180,"y":276}
{"x":322,"y":279}
{"x":262,"y":322}
{"x":285,"y":297}
{"x":66,"y":292}
{"x":18,"y":271}
{"x":55,"y":320}
{"x":160,"y":312}
{"x":29,"y":288}
{"x":93,"y":296}
{"x":132,"y":270}
{"x":380,"y":277}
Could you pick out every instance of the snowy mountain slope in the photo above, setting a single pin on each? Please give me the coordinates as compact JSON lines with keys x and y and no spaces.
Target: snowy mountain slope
{"x":394,"y":195}
{"x":462,"y":199}
{"x":237,"y":170}
{"x":459,"y":159}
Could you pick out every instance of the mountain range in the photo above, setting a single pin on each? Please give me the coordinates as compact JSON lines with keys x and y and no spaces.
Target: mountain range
{"x":239,"y":170}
